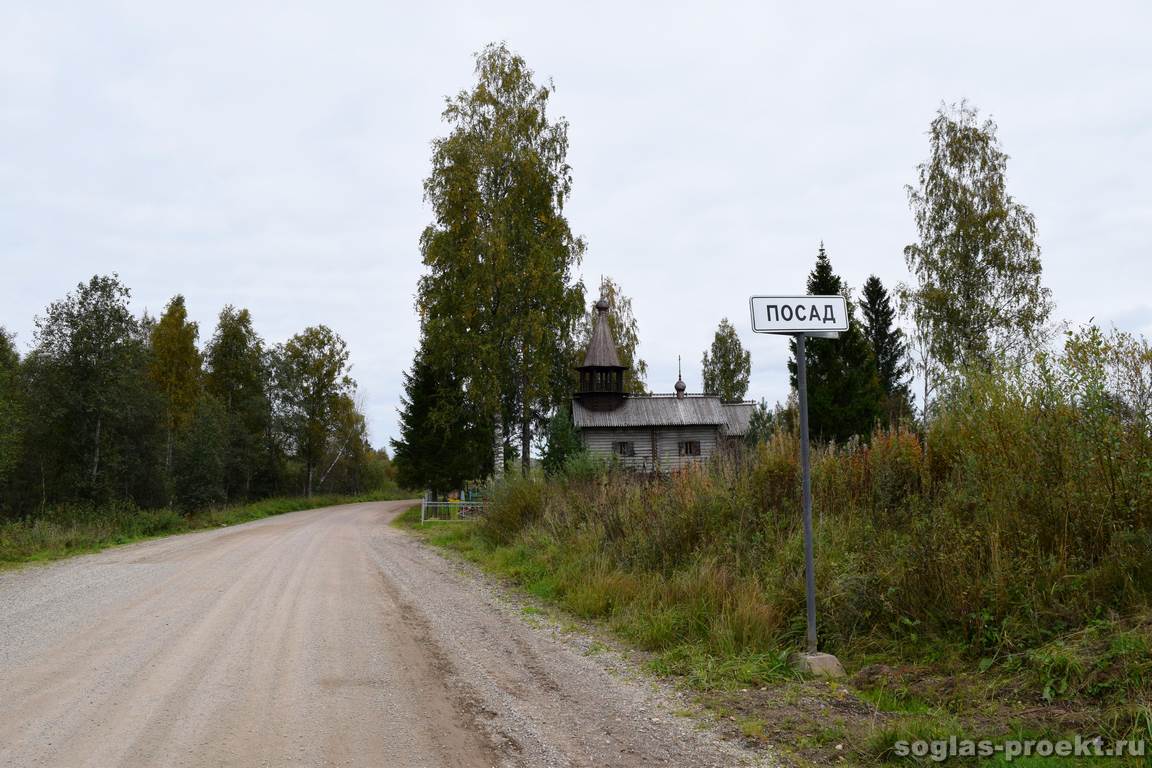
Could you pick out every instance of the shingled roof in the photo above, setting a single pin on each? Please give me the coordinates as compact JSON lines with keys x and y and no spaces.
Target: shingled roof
{"x":601,"y":349}
{"x":649,"y":411}
{"x":668,"y":411}
{"x":739,"y":416}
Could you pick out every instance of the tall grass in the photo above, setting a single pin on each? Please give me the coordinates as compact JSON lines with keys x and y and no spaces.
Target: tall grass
{"x":1023,"y":514}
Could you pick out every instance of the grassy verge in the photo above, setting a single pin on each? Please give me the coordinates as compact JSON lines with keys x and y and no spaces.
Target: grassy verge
{"x":75,"y":530}
{"x":694,"y":627}
{"x":988,"y":577}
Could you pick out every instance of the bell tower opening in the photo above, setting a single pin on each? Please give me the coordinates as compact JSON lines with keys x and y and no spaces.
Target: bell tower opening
{"x":601,"y":385}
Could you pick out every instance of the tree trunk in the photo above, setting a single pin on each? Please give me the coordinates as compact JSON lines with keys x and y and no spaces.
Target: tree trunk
{"x":96,"y":452}
{"x":339,"y":455}
{"x":525,"y":415}
{"x":924,"y":405}
{"x":498,"y":450}
{"x":924,"y":422}
{"x":309,"y":491}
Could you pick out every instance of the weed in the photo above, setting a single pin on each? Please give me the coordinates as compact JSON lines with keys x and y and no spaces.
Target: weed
{"x":751,"y":727}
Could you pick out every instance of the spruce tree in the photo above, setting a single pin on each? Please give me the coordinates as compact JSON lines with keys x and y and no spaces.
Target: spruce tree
{"x":443,"y":444}
{"x":889,"y":347}
{"x":11,"y":413}
{"x":844,"y":393}
{"x":563,"y":441}
{"x":198,"y":464}
{"x":760,"y":424}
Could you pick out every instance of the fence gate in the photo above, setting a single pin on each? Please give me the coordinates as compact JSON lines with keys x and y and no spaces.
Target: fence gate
{"x":450,"y":510}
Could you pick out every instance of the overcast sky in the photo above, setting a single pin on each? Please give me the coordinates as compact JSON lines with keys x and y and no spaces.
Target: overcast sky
{"x":271,"y":155}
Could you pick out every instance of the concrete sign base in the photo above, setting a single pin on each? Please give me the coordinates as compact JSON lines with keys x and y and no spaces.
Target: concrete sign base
{"x":818,"y":664}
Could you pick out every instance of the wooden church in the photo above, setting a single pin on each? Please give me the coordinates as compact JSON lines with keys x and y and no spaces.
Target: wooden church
{"x":654,"y":433}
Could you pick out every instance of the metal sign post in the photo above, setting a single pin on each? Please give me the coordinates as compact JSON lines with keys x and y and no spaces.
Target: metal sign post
{"x":802,"y":317}
{"x":806,"y":485}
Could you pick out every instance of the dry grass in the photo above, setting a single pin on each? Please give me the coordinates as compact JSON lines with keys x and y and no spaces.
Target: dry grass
{"x":1005,"y":556}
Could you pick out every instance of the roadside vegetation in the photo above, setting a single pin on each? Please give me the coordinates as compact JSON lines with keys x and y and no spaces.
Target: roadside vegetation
{"x":109,"y":413}
{"x":115,"y":427}
{"x":77,"y":529}
{"x":991,"y":576}
{"x":982,"y":475}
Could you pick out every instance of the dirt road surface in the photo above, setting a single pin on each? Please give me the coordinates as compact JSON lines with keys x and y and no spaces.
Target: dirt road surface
{"x":317,"y":638}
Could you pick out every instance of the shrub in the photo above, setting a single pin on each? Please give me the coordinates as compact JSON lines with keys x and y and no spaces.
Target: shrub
{"x":895,"y":462}
{"x":1024,"y":512}
{"x":515,"y":503}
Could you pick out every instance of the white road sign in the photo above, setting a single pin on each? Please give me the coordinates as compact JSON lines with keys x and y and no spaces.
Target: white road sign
{"x":798,"y":314}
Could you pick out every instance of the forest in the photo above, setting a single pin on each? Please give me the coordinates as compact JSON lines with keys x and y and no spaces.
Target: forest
{"x":108,"y":409}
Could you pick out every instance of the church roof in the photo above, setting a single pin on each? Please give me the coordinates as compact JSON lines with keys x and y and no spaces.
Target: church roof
{"x":601,"y":349}
{"x":653,"y":411}
{"x":738,"y":416}
{"x":668,"y":411}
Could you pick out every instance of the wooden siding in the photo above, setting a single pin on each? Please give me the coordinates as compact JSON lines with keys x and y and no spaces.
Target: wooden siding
{"x":599,"y":442}
{"x":669,"y":439}
{"x":666,"y":441}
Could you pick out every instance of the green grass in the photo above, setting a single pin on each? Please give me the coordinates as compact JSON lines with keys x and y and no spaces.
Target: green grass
{"x":632,"y":607}
{"x":699,"y":668}
{"x":899,"y":701}
{"x":752,"y":727}
{"x":409,"y":518}
{"x":77,"y":530}
{"x":654,"y":565}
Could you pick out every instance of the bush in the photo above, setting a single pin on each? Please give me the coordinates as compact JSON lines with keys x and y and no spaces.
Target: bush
{"x":582,"y":465}
{"x":895,"y":463}
{"x":1024,"y":512}
{"x":515,"y":503}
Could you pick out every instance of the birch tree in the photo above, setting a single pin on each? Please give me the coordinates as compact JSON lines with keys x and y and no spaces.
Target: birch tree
{"x":95,"y":413}
{"x":727,"y":365}
{"x":175,"y":368}
{"x":311,"y":378}
{"x":978,"y":295}
{"x":499,"y":302}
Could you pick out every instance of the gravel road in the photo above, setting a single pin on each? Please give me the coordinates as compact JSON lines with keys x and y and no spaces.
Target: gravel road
{"x":317,"y":638}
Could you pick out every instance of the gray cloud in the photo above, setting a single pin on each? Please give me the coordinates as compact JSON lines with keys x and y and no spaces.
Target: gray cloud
{"x":271,"y":155}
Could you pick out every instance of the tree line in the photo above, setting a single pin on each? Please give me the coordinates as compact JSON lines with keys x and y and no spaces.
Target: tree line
{"x":504,"y":319}
{"x":977,"y":305}
{"x":109,"y":407}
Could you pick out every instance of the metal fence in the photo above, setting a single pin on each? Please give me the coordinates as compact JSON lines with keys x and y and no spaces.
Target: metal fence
{"x":451,"y":510}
